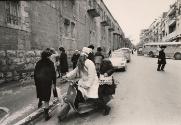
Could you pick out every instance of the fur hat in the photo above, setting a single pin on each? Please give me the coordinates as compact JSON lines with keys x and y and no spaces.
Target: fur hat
{"x":99,"y":49}
{"x":45,"y":54}
{"x":91,"y":46}
{"x":61,"y":49}
{"x":86,"y":51}
{"x":163,"y":46}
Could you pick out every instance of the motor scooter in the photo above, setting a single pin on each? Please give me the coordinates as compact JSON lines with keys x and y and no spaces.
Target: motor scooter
{"x":69,"y":100}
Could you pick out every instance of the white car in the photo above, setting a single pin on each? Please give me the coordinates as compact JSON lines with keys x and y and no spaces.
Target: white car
{"x":127,"y":52}
{"x":118,"y":61}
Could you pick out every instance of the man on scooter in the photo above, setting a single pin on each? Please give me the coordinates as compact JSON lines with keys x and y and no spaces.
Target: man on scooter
{"x":88,"y":84}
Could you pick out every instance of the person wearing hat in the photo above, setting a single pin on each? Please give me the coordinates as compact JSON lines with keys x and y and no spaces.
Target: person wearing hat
{"x":88,"y":83}
{"x":98,"y":59}
{"x":161,"y":59}
{"x":44,"y":77}
{"x":91,"y":54}
{"x":75,"y":58}
{"x":63,"y":62}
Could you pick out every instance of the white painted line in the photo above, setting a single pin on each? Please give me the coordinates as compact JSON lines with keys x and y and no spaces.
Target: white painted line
{"x":7,"y":113}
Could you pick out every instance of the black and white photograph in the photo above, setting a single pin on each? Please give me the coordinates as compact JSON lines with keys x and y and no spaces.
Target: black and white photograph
{"x":90,"y":62}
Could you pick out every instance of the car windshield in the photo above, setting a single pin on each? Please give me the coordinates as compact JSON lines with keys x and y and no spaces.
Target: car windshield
{"x":117,"y":55}
{"x":125,"y":50}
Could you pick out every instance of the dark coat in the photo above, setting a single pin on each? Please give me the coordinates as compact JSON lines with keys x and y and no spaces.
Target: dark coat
{"x":44,"y":76}
{"x":104,"y":90}
{"x":74,"y":59}
{"x":161,"y":57}
{"x":63,"y":63}
{"x":106,"y":67}
{"x":98,"y":57}
{"x":91,"y":57}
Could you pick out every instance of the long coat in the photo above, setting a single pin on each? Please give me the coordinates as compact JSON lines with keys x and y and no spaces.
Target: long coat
{"x":88,"y":84}
{"x":91,"y":56}
{"x":44,"y":76}
{"x":104,"y":90}
{"x":161,"y":57}
{"x":74,"y":59}
{"x":63,"y":63}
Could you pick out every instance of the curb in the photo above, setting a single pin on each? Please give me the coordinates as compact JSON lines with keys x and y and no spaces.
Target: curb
{"x":38,"y":114}
{"x":6,"y":110}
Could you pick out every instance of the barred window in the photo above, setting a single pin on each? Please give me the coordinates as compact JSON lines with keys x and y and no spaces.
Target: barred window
{"x":13,"y":12}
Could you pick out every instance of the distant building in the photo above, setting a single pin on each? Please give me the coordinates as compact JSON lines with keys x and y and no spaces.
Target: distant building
{"x":167,"y":28}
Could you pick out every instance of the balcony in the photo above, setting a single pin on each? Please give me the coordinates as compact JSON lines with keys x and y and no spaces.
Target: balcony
{"x":170,"y":36}
{"x":94,"y":8}
{"x":172,"y":10}
{"x":172,"y":20}
{"x":112,"y":27}
{"x":106,"y":21}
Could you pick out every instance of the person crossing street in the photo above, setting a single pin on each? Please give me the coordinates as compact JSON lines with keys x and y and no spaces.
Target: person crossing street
{"x":161,"y":59}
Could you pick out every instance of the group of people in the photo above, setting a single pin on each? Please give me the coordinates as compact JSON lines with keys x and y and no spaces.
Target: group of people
{"x":89,"y":66}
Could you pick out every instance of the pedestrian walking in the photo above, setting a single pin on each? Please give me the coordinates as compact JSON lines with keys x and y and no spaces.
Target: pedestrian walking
{"x":98,"y":59}
{"x":63,"y":63}
{"x":75,"y":58}
{"x":91,"y":54}
{"x":161,"y":59}
{"x":44,"y":77}
{"x":53,"y":58}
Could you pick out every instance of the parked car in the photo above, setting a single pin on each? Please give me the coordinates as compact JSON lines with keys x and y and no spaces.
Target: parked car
{"x":126,"y":52}
{"x":139,"y":51}
{"x":118,"y":61}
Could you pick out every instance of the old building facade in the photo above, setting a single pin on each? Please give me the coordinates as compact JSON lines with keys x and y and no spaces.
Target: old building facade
{"x":166,"y":28}
{"x":27,"y":27}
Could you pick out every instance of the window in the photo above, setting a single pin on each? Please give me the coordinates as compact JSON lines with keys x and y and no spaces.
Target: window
{"x":72,"y":29}
{"x":13,"y":12}
{"x":66,"y":29}
{"x":172,"y":28}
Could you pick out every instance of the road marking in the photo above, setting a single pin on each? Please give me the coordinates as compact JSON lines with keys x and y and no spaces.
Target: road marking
{"x":7,"y":113}
{"x":19,"y":113}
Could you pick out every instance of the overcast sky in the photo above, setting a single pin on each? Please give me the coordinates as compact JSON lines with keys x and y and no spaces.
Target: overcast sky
{"x":134,"y":15}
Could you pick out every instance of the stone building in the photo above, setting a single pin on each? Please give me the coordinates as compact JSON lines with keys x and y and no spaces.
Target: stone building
{"x":28,"y":27}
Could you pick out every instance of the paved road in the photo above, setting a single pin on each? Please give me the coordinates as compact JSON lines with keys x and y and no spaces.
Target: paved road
{"x":144,"y":97}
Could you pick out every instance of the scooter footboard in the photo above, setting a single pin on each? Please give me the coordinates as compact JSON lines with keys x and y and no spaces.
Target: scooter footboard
{"x":64,"y":111}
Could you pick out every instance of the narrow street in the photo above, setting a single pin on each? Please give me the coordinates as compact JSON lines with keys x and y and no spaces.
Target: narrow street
{"x":144,"y":96}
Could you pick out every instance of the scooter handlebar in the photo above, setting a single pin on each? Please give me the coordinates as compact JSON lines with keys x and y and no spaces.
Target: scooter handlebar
{"x":72,"y":82}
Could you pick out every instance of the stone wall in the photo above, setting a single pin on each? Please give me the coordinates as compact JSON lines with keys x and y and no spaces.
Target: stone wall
{"x":16,"y":63}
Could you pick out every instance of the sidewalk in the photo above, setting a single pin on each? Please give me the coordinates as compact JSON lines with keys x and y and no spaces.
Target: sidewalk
{"x":25,"y":95}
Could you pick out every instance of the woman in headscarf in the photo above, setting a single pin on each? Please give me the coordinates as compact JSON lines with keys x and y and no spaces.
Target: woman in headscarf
{"x":88,"y":83}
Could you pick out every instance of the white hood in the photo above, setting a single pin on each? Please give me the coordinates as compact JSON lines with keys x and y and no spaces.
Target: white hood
{"x":117,"y":61}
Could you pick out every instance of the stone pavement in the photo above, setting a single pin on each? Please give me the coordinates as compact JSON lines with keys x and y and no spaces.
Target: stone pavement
{"x":27,"y":111}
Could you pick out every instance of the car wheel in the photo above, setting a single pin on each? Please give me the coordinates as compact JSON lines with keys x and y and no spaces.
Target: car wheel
{"x":177,"y":56}
{"x":124,"y":69}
